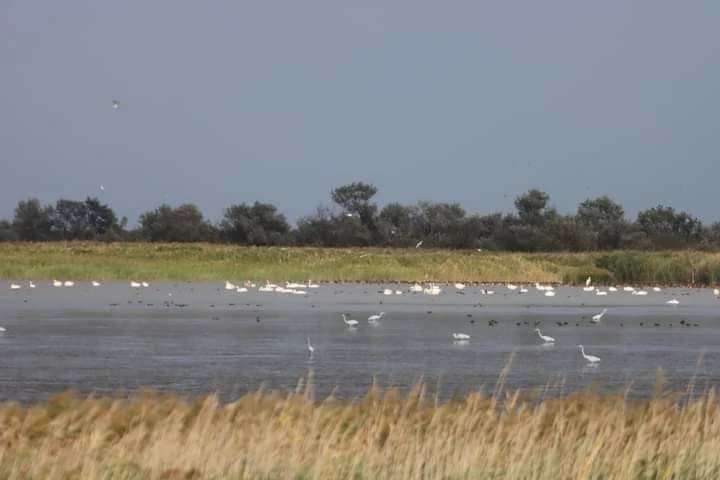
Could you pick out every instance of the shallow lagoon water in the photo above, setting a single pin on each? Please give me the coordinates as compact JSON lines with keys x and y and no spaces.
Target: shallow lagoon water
{"x":193,"y":339}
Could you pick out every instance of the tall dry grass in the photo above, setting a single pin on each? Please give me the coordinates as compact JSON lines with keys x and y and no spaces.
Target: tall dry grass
{"x":207,"y":262}
{"x":383,"y":435}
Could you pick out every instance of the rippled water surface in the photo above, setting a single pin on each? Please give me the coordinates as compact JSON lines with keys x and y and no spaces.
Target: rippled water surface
{"x":199,"y":338}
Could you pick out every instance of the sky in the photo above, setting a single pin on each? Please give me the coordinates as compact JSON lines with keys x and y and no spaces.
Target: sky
{"x":223,"y":102}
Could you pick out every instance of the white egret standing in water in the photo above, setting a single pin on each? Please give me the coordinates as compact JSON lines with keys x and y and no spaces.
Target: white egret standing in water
{"x":351,"y":323}
{"x":376,"y":318}
{"x":597,"y":317}
{"x":311,"y":349}
{"x":590,"y":358}
{"x":545,"y":338}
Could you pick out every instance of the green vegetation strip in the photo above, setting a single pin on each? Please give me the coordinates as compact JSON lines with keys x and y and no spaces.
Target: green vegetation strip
{"x":210,"y":262}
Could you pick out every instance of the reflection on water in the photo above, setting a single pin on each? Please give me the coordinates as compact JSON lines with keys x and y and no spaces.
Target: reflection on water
{"x":198,"y":338}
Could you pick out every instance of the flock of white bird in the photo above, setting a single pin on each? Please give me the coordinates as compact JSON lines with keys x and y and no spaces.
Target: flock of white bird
{"x":290,"y":287}
{"x":70,"y":283}
{"x":431,"y":289}
{"x":463,"y":338}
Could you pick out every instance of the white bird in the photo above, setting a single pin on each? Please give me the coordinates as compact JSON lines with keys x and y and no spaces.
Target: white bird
{"x":102,"y":188}
{"x":549,"y":293}
{"x":14,"y":286}
{"x":590,"y":358}
{"x":673,"y":301}
{"x":545,"y":338}
{"x":628,"y":289}
{"x":145,"y":284}
{"x":57,"y":283}
{"x":716,"y":292}
{"x":2,"y":329}
{"x":312,"y":285}
{"x":241,"y":289}
{"x":601,"y":293}
{"x":398,"y":292}
{"x":311,"y":349}
{"x":115,"y":104}
{"x":416,"y":288}
{"x":135,"y":284}
{"x":95,"y":284}
{"x":588,"y":289}
{"x":419,"y":244}
{"x":68,"y":283}
{"x":376,"y":318}
{"x":351,"y":323}
{"x":598,"y":316}
{"x":460,"y":286}
{"x":510,"y":286}
{"x":461,"y":336}
{"x":588,"y":281}
{"x":640,"y":293}
{"x":612,"y":289}
{"x":229,"y":285}
{"x":656,"y":289}
{"x":433,"y":290}
{"x":387,"y":291}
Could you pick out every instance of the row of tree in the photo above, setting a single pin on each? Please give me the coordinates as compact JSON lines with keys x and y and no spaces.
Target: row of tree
{"x":598,"y":224}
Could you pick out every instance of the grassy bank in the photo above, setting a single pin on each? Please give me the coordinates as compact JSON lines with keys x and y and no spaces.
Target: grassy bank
{"x":380,"y":436}
{"x":204,"y":262}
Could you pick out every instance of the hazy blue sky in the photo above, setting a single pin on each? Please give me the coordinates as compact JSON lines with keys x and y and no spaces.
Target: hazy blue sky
{"x":473,"y":102}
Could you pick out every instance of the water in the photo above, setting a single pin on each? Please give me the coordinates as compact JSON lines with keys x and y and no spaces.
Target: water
{"x":194,"y":339}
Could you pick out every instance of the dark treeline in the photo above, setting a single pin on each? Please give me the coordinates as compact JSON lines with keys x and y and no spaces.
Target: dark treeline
{"x":354,"y":220}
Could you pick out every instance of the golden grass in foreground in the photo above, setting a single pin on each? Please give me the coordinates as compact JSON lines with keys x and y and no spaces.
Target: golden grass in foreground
{"x":382,"y":435}
{"x":209,"y":262}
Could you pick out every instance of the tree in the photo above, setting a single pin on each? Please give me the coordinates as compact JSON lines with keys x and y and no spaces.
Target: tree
{"x":325,"y":229}
{"x":101,"y":219}
{"x":566,"y":233}
{"x":441,"y":223}
{"x":70,"y":220}
{"x":480,"y":231}
{"x":83,"y":220}
{"x":7,"y":233}
{"x":259,"y":224}
{"x":181,"y":224}
{"x":398,"y":225}
{"x":355,"y":199}
{"x":532,"y":207}
{"x":32,"y":221}
{"x":667,"y":228}
{"x":605,"y":219}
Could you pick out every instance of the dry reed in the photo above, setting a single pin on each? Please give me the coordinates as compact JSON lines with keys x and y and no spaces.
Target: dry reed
{"x":382,"y":435}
